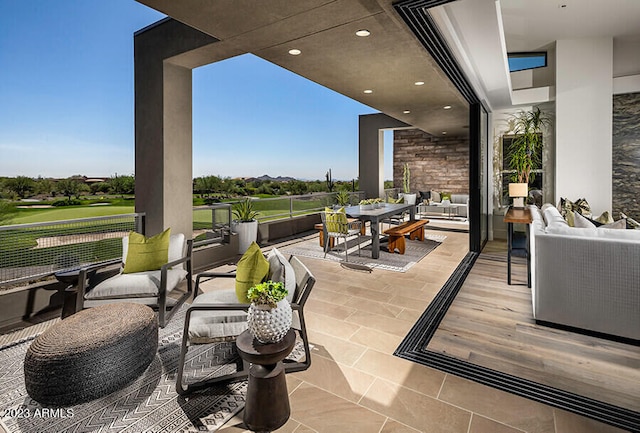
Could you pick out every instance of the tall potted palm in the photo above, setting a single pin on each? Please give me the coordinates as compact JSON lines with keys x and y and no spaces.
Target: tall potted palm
{"x":245,"y":224}
{"x":523,"y":153}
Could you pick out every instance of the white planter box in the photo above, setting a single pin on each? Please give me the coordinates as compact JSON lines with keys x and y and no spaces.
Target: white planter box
{"x":247,"y":233}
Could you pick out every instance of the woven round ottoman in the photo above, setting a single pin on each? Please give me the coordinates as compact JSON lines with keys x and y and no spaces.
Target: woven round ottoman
{"x":91,"y":354}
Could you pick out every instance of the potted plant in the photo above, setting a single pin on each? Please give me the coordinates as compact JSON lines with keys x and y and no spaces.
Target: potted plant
{"x":269,"y":316}
{"x":523,"y":152}
{"x":343,"y":197}
{"x":406,"y":180}
{"x":245,"y":224}
{"x":366,"y":204}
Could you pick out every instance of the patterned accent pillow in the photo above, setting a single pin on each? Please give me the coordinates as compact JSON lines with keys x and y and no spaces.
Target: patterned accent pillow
{"x":565,"y":206}
{"x":582,"y":206}
{"x":631,"y":223}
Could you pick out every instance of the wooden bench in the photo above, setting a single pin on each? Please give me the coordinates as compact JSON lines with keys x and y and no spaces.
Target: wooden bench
{"x":415,"y":230}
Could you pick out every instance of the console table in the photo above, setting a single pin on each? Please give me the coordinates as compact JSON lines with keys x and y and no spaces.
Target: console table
{"x":518,"y":216}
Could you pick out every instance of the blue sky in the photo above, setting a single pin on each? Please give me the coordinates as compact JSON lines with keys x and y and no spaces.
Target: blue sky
{"x":66,"y":102}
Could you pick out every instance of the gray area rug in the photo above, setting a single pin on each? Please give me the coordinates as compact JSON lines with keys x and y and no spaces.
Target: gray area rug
{"x":414,"y":252}
{"x":149,"y":404}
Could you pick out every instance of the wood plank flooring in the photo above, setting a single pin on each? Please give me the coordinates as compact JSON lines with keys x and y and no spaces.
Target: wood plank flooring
{"x":491,"y":324}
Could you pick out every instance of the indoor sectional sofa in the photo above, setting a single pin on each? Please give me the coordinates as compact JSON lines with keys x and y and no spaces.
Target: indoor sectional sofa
{"x":586,"y":278}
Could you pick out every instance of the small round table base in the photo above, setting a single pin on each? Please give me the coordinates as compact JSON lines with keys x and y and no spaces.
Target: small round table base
{"x":267,"y":401}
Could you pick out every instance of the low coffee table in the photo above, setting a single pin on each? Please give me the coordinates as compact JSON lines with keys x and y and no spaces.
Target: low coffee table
{"x":267,"y":402}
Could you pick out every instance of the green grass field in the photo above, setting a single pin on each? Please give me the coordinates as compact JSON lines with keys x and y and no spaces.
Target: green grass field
{"x":268,"y":209}
{"x":28,"y":216}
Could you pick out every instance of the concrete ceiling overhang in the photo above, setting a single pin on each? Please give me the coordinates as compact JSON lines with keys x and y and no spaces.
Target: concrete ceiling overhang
{"x":389,"y":61}
{"x":482,"y":32}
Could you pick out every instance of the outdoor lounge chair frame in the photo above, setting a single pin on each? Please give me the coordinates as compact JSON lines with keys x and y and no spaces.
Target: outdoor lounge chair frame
{"x":304,"y":283}
{"x":161,"y":301}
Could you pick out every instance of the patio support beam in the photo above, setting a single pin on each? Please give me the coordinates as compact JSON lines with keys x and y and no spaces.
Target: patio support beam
{"x":163,"y":124}
{"x":371,"y":151}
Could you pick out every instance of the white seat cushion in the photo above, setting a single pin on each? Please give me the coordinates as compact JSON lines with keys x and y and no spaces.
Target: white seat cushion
{"x":139,"y":284}
{"x":214,"y":326}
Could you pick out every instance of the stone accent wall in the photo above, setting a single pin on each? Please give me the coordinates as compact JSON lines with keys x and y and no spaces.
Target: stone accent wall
{"x":626,"y":155}
{"x":436,"y":163}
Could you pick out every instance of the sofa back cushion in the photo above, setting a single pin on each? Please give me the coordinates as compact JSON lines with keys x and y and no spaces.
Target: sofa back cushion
{"x":553,"y":218}
{"x":459,"y":198}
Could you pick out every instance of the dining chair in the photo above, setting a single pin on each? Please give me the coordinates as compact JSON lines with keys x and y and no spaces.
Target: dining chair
{"x":337,"y":226}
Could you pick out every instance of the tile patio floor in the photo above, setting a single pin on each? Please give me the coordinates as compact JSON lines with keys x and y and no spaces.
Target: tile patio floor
{"x":355,"y":384}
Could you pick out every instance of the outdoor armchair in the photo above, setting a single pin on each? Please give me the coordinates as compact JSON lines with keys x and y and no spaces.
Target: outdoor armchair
{"x":153,"y":287}
{"x":216,"y":317}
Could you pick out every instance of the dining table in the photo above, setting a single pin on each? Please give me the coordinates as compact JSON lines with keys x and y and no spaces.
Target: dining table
{"x":375,"y":216}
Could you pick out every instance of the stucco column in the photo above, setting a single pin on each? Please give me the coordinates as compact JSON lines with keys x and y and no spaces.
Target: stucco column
{"x":163,"y":125}
{"x":371,"y":151}
{"x":583,"y":124}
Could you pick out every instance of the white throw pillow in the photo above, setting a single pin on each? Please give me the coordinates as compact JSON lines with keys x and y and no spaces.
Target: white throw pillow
{"x":581,"y":222}
{"x":280,"y":270}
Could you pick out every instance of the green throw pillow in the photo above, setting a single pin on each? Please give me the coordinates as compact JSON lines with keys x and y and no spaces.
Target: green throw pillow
{"x":336,"y":220}
{"x":253,"y":268}
{"x":147,"y":254}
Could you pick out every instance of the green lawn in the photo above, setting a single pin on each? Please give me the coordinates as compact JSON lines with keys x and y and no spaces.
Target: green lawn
{"x":27,"y":216}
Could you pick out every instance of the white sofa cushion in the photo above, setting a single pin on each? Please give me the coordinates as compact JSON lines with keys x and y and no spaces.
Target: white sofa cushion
{"x":553,"y":218}
{"x":214,"y":326}
{"x":139,"y":284}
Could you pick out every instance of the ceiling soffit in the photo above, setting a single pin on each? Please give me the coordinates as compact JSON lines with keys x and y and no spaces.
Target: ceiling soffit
{"x":388,"y":62}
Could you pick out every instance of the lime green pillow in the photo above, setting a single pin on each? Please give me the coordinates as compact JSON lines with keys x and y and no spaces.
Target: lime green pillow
{"x":336,"y":220}
{"x":253,"y":268}
{"x":147,"y":254}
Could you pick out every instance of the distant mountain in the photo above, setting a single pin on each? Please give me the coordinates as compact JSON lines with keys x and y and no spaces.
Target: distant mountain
{"x":272,"y":179}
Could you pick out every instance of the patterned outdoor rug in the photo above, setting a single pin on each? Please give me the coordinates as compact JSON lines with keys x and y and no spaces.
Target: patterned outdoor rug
{"x":414,"y":252}
{"x":150,"y":404}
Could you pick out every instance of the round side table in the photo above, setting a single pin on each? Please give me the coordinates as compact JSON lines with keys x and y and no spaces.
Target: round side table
{"x":267,"y":402}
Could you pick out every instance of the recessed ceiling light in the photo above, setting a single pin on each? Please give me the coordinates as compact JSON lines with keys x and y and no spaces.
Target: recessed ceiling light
{"x":295,"y":52}
{"x":447,"y":107}
{"x":363,"y":33}
{"x":407,"y":111}
{"x":444,"y":132}
{"x":419,"y":83}
{"x":368,"y":91}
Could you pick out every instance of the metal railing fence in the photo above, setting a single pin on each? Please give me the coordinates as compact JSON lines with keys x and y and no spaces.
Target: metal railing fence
{"x":31,"y":251}
{"x":296,"y":205}
{"x":211,"y":223}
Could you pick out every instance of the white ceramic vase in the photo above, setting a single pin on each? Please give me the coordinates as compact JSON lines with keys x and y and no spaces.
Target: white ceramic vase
{"x":269,"y":325}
